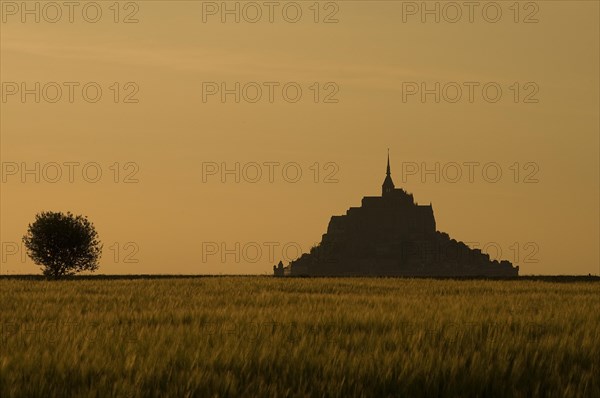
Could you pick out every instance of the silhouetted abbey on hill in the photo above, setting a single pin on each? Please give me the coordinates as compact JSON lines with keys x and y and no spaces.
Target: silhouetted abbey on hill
{"x":391,"y":235}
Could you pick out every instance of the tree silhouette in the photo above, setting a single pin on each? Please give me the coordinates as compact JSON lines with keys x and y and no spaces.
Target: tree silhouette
{"x":63,"y":244}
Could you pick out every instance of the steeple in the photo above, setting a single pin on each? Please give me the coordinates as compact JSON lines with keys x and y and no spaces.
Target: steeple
{"x":388,"y":184}
{"x":388,"y":165}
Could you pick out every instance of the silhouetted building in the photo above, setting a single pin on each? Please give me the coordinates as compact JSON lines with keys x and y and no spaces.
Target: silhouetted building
{"x":278,"y":269}
{"x":391,"y":235}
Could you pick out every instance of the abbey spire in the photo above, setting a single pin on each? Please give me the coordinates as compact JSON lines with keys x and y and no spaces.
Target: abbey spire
{"x":388,"y":165}
{"x":388,"y":184}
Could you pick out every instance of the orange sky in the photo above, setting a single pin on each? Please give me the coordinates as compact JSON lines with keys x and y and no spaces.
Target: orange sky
{"x":166,"y":216}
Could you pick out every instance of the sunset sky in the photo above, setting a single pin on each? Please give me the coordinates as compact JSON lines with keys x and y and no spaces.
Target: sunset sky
{"x":542,"y":213}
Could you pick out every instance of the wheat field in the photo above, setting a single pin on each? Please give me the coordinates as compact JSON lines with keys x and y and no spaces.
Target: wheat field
{"x":270,"y":337}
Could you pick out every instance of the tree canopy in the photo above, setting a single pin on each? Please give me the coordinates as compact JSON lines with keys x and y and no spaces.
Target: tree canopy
{"x":63,"y":244}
